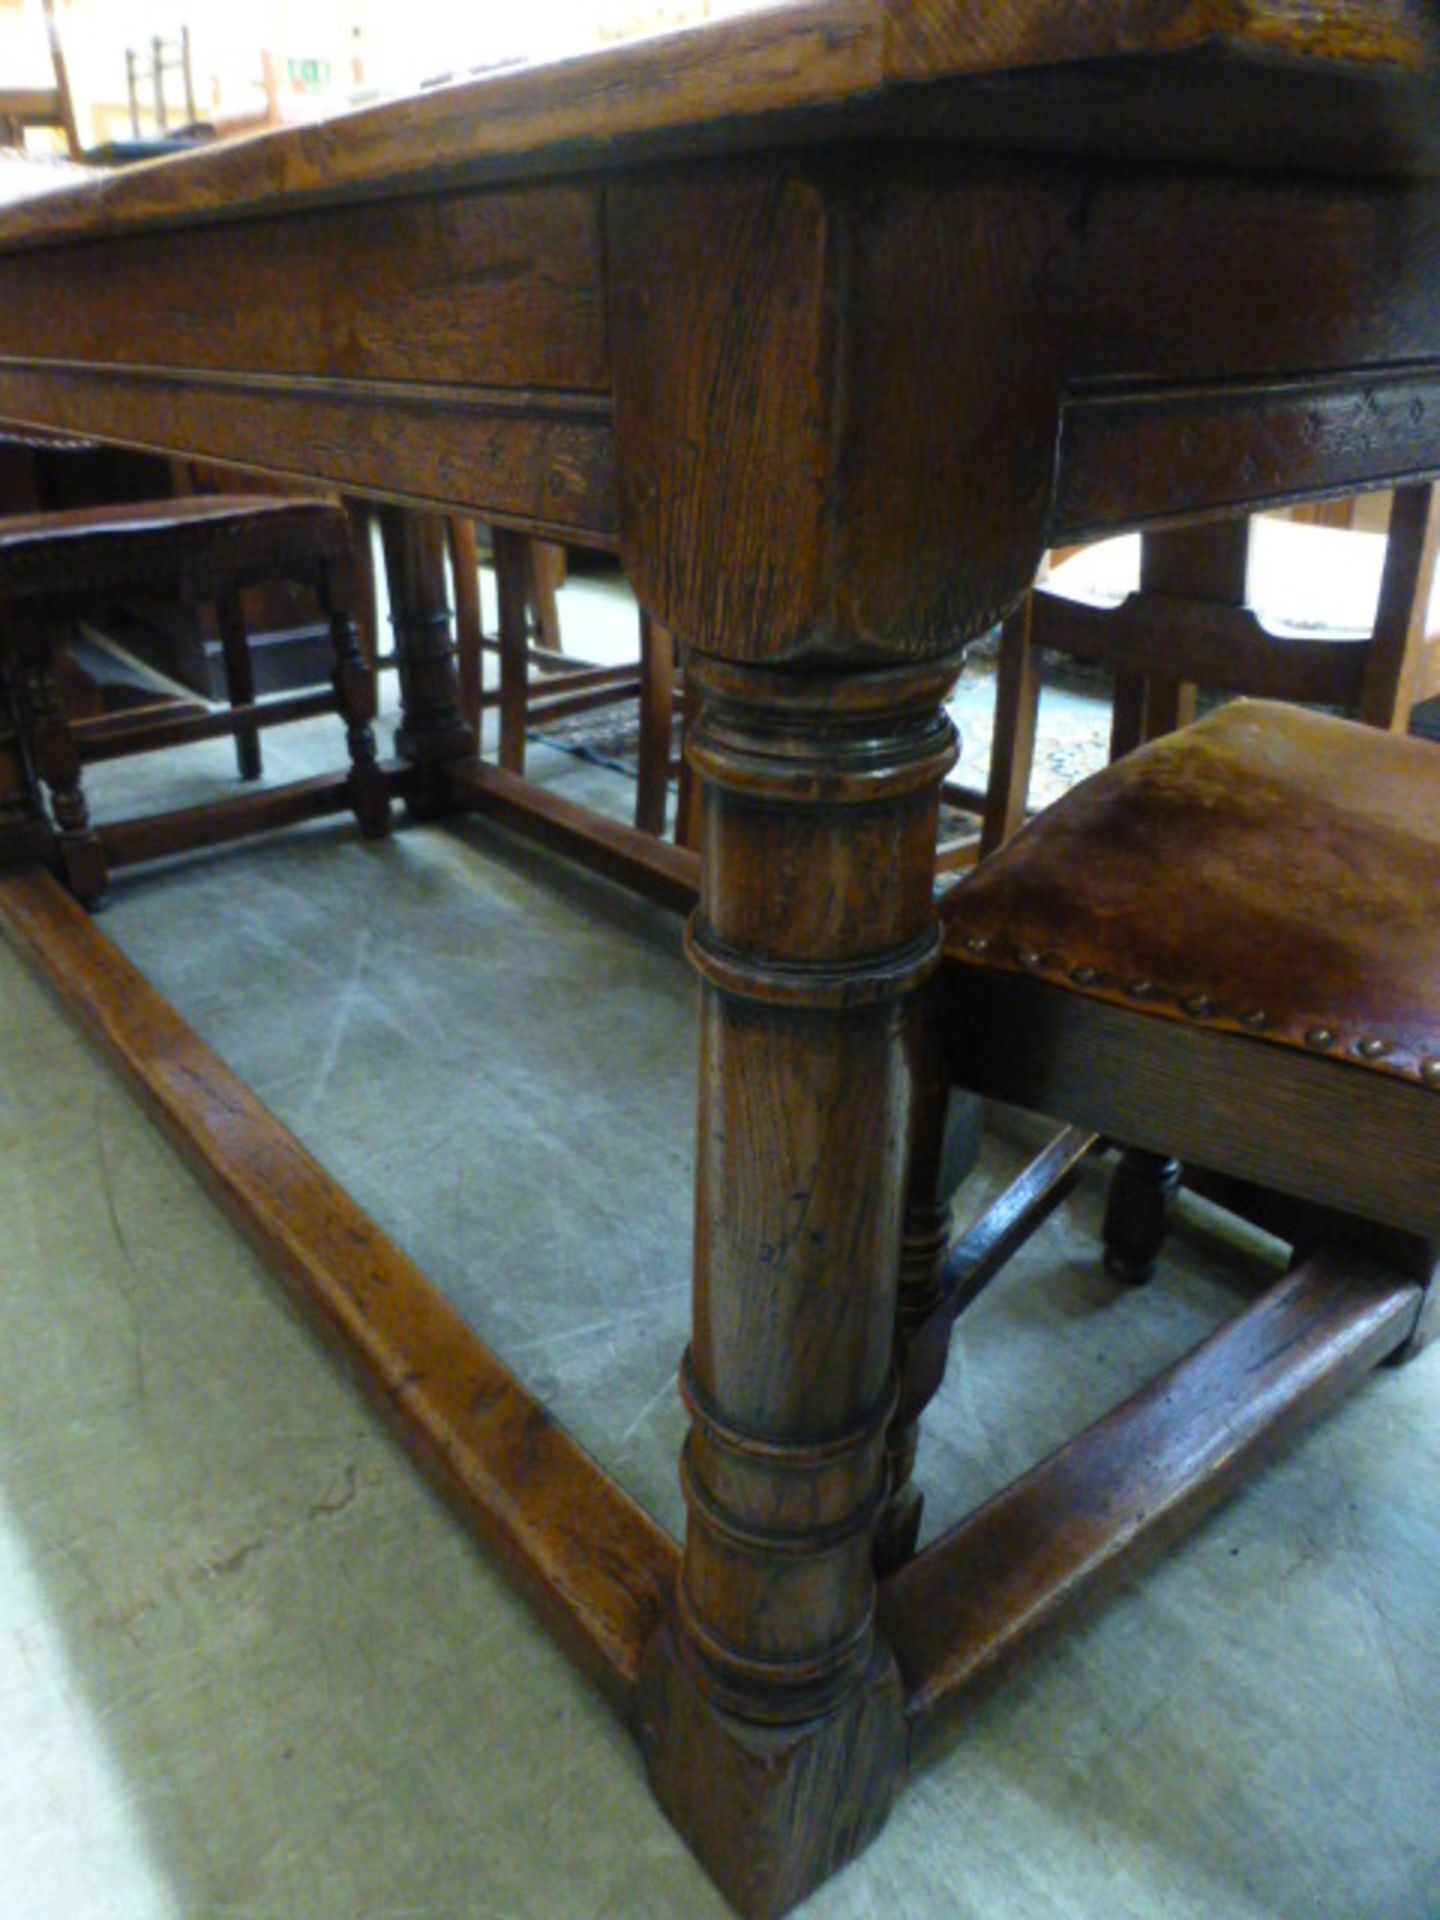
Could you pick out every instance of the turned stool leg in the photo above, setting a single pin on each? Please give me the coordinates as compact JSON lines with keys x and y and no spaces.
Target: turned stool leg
{"x":22,"y":827}
{"x":771,"y":1710}
{"x":432,"y":727}
{"x":56,"y":756}
{"x":1137,"y":1213}
{"x":354,"y":684}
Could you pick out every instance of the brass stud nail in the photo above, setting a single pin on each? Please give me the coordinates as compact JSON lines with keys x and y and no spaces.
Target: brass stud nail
{"x":1139,"y":989}
{"x":1320,"y":1038}
{"x":1027,"y":957}
{"x":1085,"y":976}
{"x":1256,"y":1019}
{"x":1430,"y":1071}
{"x":1199,"y":1007}
{"x":1371,"y":1048}
{"x":977,"y":943}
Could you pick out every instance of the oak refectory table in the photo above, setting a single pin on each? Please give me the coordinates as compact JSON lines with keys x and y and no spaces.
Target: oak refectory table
{"x":830,"y":319}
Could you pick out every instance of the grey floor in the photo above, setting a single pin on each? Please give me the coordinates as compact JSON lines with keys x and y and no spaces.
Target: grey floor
{"x":250,"y":1667}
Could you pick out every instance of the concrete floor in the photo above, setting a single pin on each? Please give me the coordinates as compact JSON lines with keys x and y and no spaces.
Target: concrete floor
{"x":250,"y":1667}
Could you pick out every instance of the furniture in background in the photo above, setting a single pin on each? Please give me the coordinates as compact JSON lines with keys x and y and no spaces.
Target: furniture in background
{"x":53,"y":567}
{"x":995,"y":282}
{"x":148,"y":66}
{"x":541,"y":682}
{"x":1191,"y":621}
{"x":24,"y":107}
{"x":253,"y":640}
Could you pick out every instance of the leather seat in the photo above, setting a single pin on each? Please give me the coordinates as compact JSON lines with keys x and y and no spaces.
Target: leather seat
{"x":1270,"y":871}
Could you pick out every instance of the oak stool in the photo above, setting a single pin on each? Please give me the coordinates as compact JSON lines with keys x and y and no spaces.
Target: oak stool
{"x":55,"y":565}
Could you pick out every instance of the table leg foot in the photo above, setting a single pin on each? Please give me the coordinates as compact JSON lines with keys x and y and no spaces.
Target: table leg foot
{"x":771,"y":1811}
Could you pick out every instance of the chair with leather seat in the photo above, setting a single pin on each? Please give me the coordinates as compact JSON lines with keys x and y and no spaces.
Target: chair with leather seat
{"x":1224,"y":947}
{"x":1196,"y":616}
{"x":56,"y":566}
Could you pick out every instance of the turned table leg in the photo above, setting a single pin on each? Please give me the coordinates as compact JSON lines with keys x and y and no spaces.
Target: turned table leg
{"x":771,"y":1711}
{"x":432,"y":727}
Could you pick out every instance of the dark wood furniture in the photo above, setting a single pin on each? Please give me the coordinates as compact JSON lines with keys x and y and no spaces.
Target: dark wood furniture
{"x":54,"y":566}
{"x":831,"y":319}
{"x":1223,"y":947}
{"x":1190,"y":624}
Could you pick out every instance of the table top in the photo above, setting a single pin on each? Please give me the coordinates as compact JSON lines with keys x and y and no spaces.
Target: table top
{"x":1339,"y":84}
{"x":829,"y":317}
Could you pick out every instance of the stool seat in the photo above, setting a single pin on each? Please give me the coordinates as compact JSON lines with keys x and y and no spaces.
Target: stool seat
{"x":1269,"y":871}
{"x":210,"y":539}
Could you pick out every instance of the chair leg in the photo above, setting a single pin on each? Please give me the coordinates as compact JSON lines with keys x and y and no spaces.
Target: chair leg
{"x":687,"y":808}
{"x":354,"y":684}
{"x":239,"y":681}
{"x":1012,"y":751}
{"x":544,"y":575}
{"x":1169,"y":705}
{"x":469,"y":634}
{"x":56,"y":757}
{"x":1137,"y":1214}
{"x":657,"y":717}
{"x":511,"y":580}
{"x":925,"y":1242}
{"x":1127,"y":715}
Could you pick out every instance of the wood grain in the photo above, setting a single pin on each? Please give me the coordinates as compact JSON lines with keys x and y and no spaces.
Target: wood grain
{"x":1159,"y":457}
{"x":500,"y":289}
{"x":159,"y":836}
{"x":827,"y":68}
{"x":1177,"y":279}
{"x":936,"y":35}
{"x":1276,"y":1116}
{"x":599,"y":1569}
{"x":536,"y":461}
{"x":971,"y":1606}
{"x":779,"y":362}
{"x":668,"y":875}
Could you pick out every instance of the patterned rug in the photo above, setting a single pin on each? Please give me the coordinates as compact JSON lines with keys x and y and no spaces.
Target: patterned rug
{"x":1074,"y":734}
